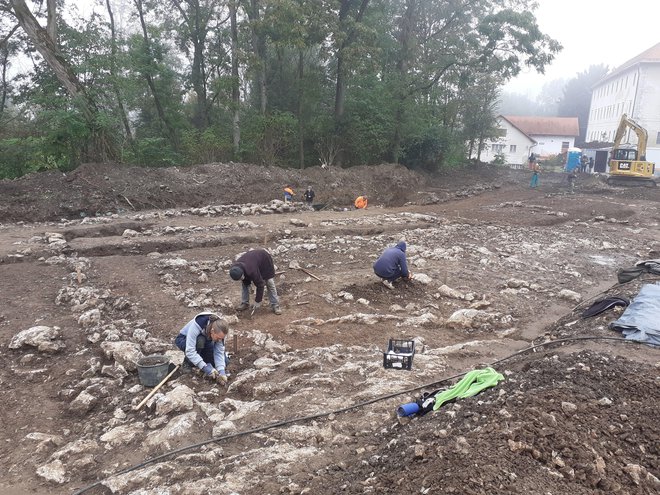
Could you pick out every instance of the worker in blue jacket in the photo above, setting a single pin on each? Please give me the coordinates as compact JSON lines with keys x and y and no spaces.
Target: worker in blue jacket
{"x":392,"y":265}
{"x":202,"y":340}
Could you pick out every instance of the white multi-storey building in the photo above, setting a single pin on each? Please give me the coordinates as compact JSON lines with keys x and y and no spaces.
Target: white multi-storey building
{"x":633,"y":89}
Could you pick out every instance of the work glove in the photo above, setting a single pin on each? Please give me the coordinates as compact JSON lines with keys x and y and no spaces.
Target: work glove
{"x":410,"y":276}
{"x":222,"y":378}
{"x":208,"y":370}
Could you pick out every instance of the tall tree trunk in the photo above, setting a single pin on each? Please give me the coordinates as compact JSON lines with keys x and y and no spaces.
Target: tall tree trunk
{"x":4,"y":54}
{"x":51,"y":20}
{"x":113,"y":73}
{"x":301,"y":96}
{"x":340,"y":86}
{"x":150,"y":81}
{"x":196,"y":26}
{"x":259,"y":48}
{"x":405,"y":39}
{"x":201,"y":116}
{"x":235,"y":85}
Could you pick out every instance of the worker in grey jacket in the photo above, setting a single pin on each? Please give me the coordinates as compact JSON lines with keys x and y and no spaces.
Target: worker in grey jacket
{"x":202,"y":339}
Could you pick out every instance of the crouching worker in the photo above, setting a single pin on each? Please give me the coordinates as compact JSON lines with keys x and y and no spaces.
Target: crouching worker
{"x":203,"y":342}
{"x":256,"y":267}
{"x":392,"y":265}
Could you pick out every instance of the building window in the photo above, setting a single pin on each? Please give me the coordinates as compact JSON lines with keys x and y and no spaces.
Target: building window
{"x":500,"y":132}
{"x":498,"y":148}
{"x":657,"y":138}
{"x":564,"y":146}
{"x":512,"y":148}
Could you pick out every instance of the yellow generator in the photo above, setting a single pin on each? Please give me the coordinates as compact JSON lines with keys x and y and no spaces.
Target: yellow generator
{"x":628,"y":166}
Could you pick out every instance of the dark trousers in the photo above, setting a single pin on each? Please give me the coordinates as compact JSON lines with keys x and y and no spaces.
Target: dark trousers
{"x":395,"y":276}
{"x":203,"y":345}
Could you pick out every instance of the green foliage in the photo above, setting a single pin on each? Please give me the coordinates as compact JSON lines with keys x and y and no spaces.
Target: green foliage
{"x":152,"y":152}
{"x":499,"y":159}
{"x":271,"y":139}
{"x":205,"y":146}
{"x":20,"y":156}
{"x":419,"y":79}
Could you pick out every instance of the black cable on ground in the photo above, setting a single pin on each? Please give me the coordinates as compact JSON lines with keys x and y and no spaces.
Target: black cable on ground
{"x":344,"y":409}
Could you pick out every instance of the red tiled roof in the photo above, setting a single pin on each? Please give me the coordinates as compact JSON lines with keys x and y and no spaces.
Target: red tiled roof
{"x":652,"y":55}
{"x":545,"y":126}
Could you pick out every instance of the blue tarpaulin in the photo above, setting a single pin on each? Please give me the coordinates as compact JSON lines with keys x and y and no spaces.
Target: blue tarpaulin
{"x":641,"y":320}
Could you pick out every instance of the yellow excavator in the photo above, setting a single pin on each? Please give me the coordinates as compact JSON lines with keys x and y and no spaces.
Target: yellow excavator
{"x":628,"y":165}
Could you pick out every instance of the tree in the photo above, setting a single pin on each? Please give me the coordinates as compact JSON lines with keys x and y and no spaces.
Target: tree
{"x":45,"y":44}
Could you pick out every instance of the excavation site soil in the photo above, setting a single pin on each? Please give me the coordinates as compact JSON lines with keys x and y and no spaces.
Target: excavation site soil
{"x":104,"y":265}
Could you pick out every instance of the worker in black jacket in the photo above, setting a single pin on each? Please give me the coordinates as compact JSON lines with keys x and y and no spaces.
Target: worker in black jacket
{"x":309,"y":196}
{"x":256,"y":267}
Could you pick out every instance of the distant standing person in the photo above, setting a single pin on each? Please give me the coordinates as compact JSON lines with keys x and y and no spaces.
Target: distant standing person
{"x":591,"y":165}
{"x":572,"y":177}
{"x":531,"y":161}
{"x":536,"y":170}
{"x":202,"y":340}
{"x":361,"y":202}
{"x":584,"y":163}
{"x":256,"y":267}
{"x":309,"y":196}
{"x":392,"y":265}
{"x":288,"y":193}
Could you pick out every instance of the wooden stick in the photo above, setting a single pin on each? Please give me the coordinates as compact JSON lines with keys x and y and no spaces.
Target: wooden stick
{"x":280,"y":273}
{"x":128,"y":201}
{"x":235,"y":343}
{"x":309,"y":273}
{"x":156,"y":388}
{"x":302,"y":302}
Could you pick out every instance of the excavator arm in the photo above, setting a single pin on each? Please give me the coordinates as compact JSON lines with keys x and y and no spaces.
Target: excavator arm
{"x":642,"y":136}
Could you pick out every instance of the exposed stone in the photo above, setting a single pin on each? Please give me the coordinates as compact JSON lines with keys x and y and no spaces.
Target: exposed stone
{"x":125,"y":353}
{"x":122,"y":435}
{"x":570,"y":295}
{"x":178,"y":400}
{"x":177,"y":428}
{"x":44,"y":338}
{"x":83,"y":403}
{"x":90,"y":318}
{"x":422,"y":278}
{"x":445,"y":291}
{"x":53,"y":471}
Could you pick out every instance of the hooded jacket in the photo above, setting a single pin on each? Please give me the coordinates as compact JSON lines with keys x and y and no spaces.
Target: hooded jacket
{"x":392,"y":262}
{"x":193,"y":329}
{"x":257,"y":266}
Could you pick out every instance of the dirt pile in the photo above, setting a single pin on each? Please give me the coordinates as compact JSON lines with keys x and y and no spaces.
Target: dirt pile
{"x":94,"y":189}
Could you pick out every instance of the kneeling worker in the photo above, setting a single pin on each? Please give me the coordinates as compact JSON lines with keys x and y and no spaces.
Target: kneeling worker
{"x":256,"y":267}
{"x":392,"y":265}
{"x":361,"y":202}
{"x":202,"y":339}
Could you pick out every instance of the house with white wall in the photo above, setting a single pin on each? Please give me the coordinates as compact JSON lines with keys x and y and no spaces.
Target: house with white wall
{"x":521,"y":136}
{"x":633,"y":89}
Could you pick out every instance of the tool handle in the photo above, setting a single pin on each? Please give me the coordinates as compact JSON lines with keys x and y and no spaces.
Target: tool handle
{"x":156,"y":388}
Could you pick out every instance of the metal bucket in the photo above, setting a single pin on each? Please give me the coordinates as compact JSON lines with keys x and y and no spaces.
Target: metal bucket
{"x":152,"y":369}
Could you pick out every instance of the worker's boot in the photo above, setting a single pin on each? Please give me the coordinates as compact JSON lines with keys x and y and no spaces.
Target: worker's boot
{"x":242,"y":307}
{"x":388,"y":284}
{"x":277,"y":310}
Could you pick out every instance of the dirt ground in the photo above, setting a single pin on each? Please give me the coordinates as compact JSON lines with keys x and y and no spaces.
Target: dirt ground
{"x":110,"y":262}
